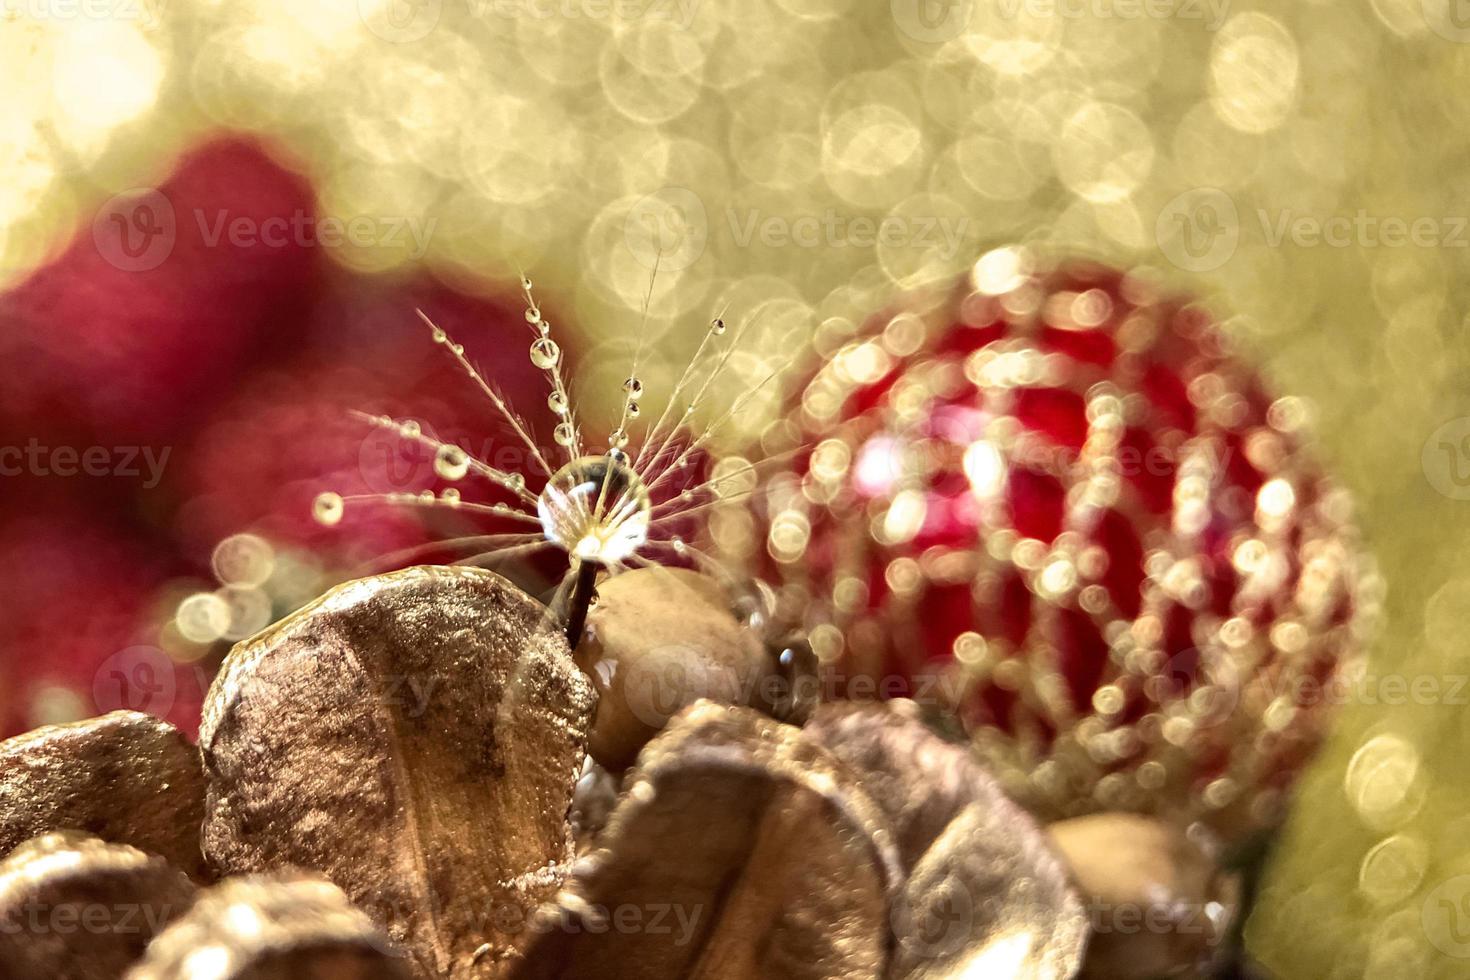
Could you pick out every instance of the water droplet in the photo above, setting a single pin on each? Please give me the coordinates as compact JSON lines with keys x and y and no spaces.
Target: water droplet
{"x":633,"y":388}
{"x":617,"y":439}
{"x":426,"y":496}
{"x":565,"y":435}
{"x":327,"y":508}
{"x":516,"y":481}
{"x":545,"y":353}
{"x":595,"y":508}
{"x":525,"y":283}
{"x":557,"y":402}
{"x":439,"y":335}
{"x":633,"y":410}
{"x":717,"y":326}
{"x":451,"y":462}
{"x":533,"y":315}
{"x":458,"y":349}
{"x":450,"y":496}
{"x":410,"y":430}
{"x":545,"y":329}
{"x":501,"y":507}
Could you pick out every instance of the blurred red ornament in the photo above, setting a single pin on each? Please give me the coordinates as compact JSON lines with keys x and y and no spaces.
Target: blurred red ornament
{"x":157,"y":304}
{"x":80,"y":631}
{"x":1053,"y":500}
{"x":296,"y":431}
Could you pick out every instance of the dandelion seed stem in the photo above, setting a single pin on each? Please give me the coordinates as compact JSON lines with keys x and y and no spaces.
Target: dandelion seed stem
{"x":582,"y":594}
{"x":490,"y":392}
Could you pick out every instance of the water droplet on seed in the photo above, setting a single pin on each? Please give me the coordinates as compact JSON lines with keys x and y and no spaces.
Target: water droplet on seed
{"x":565,"y":435}
{"x":595,"y":508}
{"x":633,"y":410}
{"x":451,"y":462}
{"x":617,"y":439}
{"x":545,"y":353}
{"x":557,"y":402}
{"x":533,"y":315}
{"x":633,"y":388}
{"x":327,"y":508}
{"x":717,"y":325}
{"x":450,"y":496}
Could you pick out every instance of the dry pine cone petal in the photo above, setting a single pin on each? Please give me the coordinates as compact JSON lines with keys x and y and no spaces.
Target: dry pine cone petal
{"x":415,"y":737}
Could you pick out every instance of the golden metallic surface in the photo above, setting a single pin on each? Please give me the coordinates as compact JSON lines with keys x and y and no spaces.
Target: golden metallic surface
{"x":414,"y":737}
{"x":552,"y":134}
{"x":657,"y":640}
{"x":974,"y":907}
{"x":126,"y":777}
{"x":1158,"y":904}
{"x":289,"y":927}
{"x":985,"y":888}
{"x":72,"y":906}
{"x":764,"y":855}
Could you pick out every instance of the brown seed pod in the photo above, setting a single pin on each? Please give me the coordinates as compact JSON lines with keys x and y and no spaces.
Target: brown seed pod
{"x":75,"y":907}
{"x":738,"y":851}
{"x":660,"y":639}
{"x":126,"y":777}
{"x":415,"y":737}
{"x":1159,"y":905}
{"x":985,"y":888}
{"x":289,"y":928}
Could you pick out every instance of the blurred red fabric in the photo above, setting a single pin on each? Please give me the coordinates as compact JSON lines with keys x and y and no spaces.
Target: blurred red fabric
{"x":239,"y":358}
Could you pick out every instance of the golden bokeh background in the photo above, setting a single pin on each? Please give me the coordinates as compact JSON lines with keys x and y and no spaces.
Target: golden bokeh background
{"x":1303,"y":165}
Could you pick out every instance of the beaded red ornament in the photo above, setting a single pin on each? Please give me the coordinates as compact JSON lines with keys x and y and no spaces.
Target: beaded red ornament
{"x":1052,"y":500}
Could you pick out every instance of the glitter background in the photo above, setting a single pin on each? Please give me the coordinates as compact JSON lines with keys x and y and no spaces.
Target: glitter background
{"x":1301,"y":166}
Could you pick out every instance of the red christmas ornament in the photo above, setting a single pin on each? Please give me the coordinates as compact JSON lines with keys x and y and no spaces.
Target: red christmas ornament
{"x":82,"y":616}
{"x":291,"y":433}
{"x":1054,"y":501}
{"x":136,"y":346}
